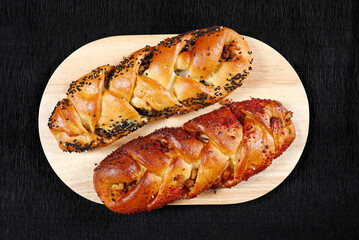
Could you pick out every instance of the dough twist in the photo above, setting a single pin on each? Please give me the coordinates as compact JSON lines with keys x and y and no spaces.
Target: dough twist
{"x":218,"y":149}
{"x":181,"y":74}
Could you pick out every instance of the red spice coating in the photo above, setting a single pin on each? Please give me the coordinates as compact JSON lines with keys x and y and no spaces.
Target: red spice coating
{"x":173,"y":163}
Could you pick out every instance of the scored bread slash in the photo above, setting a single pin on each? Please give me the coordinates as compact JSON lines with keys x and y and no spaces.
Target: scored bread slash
{"x":181,"y":74}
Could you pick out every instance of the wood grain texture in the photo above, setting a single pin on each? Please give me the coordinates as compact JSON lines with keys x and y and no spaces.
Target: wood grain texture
{"x":272,"y":77}
{"x":317,"y":201}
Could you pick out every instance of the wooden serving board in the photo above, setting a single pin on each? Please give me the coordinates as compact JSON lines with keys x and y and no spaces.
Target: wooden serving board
{"x":272,"y":77}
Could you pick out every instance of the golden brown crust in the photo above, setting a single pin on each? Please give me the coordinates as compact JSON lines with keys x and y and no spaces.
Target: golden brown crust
{"x":181,"y":74}
{"x":217,"y":149}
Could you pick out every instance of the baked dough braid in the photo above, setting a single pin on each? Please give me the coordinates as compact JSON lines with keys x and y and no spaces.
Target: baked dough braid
{"x":181,"y":74}
{"x":218,"y":149}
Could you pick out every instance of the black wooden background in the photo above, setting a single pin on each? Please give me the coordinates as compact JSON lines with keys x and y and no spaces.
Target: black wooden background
{"x":318,"y":200}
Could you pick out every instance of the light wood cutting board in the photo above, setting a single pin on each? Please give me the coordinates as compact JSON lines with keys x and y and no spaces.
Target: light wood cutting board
{"x":272,"y":77}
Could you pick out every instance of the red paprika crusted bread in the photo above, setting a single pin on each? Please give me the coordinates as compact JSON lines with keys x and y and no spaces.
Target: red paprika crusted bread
{"x":217,"y":149}
{"x":180,"y":74}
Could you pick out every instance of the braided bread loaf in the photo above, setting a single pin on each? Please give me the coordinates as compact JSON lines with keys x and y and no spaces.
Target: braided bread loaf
{"x":181,"y":74}
{"x":218,"y":149}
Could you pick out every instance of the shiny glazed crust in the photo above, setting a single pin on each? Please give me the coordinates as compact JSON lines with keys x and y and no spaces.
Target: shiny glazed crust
{"x":218,"y":149}
{"x":180,"y":74}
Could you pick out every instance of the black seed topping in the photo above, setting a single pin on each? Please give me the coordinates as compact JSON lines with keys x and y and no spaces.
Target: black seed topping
{"x":142,"y":61}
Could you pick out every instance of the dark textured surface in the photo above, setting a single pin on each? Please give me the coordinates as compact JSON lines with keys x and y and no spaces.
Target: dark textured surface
{"x":318,"y":200}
